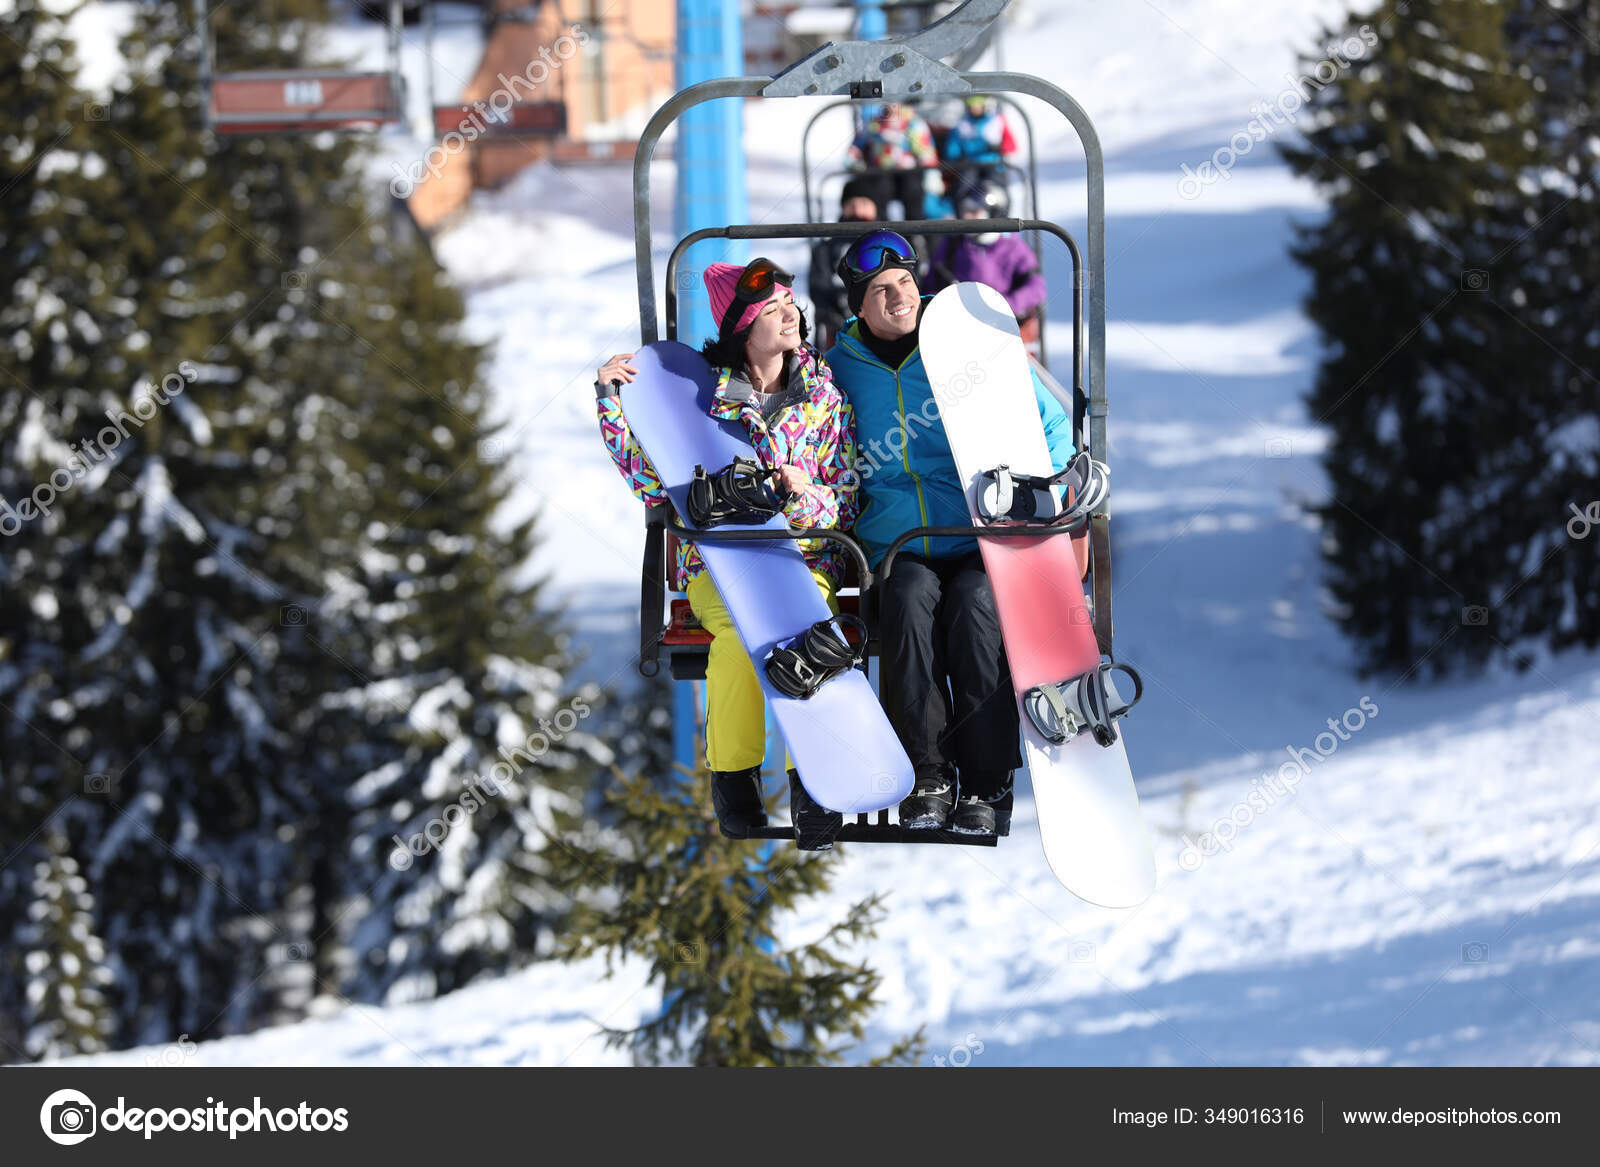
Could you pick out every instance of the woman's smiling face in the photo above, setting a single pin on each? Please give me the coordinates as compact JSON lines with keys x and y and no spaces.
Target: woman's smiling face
{"x":777,"y":328}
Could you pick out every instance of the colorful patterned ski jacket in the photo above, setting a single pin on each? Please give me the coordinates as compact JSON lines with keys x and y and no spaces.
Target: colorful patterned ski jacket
{"x":908,"y":475}
{"x":897,"y":139}
{"x":806,"y":424}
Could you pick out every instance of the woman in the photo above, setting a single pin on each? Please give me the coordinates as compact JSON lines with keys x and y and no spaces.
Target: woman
{"x":780,"y":388}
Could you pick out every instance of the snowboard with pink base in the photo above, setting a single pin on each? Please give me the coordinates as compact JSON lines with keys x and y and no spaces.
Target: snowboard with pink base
{"x":1093,"y":831}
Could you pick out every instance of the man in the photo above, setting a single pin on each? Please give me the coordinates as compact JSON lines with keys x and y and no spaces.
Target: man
{"x":857,"y":204}
{"x":947,"y":687}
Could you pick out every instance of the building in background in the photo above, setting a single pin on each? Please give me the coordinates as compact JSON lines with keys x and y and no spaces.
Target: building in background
{"x":597,"y":68}
{"x":595,"y":104}
{"x":778,"y":33}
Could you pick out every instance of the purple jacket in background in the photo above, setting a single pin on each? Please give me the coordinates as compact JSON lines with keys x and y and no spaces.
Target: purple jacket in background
{"x":1007,"y":265}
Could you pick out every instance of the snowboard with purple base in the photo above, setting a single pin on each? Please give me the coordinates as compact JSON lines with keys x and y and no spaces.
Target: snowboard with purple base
{"x":1094,"y":834}
{"x":841,"y":742}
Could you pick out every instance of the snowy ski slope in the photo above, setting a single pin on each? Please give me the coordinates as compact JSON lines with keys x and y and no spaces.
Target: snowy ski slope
{"x":1426,"y":889}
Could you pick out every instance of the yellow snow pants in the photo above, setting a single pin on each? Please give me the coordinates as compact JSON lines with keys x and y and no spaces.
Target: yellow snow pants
{"x":736,"y":721}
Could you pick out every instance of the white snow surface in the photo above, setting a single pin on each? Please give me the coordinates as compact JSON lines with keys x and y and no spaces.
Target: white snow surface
{"x":1429,"y":892}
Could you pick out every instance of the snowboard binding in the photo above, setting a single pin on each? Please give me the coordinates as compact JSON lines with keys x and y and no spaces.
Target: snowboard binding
{"x":801,"y":667}
{"x":738,"y":493}
{"x":1029,"y":499}
{"x":1091,"y":702}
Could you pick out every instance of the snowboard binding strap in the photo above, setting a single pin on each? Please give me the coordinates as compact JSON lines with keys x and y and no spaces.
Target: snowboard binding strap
{"x":738,"y":493}
{"x":801,"y":667}
{"x":1005,"y":497}
{"x":1062,"y":711}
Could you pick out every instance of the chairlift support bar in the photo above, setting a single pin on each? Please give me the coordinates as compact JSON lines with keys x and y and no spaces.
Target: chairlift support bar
{"x":930,"y":227}
{"x":660,"y":521}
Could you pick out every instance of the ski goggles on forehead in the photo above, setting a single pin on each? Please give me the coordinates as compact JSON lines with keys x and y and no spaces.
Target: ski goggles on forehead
{"x":755,"y":284}
{"x":870,"y":254}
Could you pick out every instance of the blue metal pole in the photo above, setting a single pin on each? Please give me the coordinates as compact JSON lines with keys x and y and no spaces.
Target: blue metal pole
{"x":872,"y":22}
{"x":710,"y":193}
{"x":686,"y":724}
{"x":710,"y":151}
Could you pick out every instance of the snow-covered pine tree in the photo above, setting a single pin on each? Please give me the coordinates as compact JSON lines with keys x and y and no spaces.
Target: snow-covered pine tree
{"x":658,"y":883}
{"x":172,"y":628}
{"x":1420,"y":148}
{"x":640,"y":723}
{"x":481,"y":739}
{"x":48,"y":302}
{"x":1556,"y":44}
{"x":161,"y":661}
{"x":66,"y":1010}
{"x":431,"y":675}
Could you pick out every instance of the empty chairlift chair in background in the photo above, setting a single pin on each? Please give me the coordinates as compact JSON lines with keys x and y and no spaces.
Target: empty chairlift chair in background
{"x":298,"y":101}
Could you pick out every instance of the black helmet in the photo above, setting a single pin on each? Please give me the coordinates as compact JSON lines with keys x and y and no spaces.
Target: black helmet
{"x":989,"y":197}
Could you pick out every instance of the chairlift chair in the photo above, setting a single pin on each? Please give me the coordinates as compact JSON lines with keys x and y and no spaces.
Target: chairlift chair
{"x":300,"y":101}
{"x":896,"y":69}
{"x":1026,"y":177}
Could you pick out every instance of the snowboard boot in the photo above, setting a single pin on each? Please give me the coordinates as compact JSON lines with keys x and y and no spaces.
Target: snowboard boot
{"x":977,"y":814}
{"x":736,"y":797}
{"x":815,"y":826}
{"x":929,"y":803}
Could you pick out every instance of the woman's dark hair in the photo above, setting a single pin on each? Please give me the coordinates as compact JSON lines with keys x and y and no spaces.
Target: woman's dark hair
{"x":728,"y":352}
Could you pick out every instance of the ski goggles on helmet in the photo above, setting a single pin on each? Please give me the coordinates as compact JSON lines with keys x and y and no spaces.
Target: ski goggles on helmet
{"x":755,"y":284}
{"x":872,"y":253}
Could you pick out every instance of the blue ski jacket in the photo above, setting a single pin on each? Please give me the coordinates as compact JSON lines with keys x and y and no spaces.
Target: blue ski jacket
{"x":908,"y":476}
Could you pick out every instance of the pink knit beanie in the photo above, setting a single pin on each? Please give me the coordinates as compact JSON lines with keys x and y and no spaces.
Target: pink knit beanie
{"x":722,"y":280}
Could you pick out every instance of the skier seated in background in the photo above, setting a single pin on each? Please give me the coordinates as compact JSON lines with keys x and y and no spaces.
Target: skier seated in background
{"x":1002,"y":260}
{"x":895,"y":152}
{"x":780,"y":389}
{"x":857,"y":204}
{"x":978,"y":146}
{"x":946,"y":683}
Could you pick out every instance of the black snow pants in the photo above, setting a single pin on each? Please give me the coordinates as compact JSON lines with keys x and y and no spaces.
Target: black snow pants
{"x":904,"y":186}
{"x":946,"y":684}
